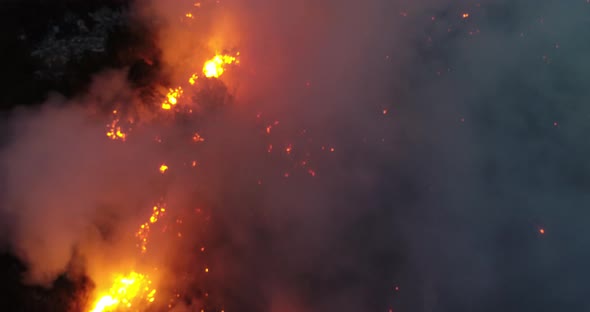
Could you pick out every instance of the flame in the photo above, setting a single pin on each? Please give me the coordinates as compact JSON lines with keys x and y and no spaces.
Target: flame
{"x":133,"y":291}
{"x":125,"y":292}
{"x":215,"y":67}
{"x":172,"y":98}
{"x":193,"y":79}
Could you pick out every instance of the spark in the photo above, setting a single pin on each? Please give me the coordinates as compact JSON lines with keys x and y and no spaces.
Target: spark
{"x":541,"y":231}
{"x":163,"y":168}
{"x":465,"y":15}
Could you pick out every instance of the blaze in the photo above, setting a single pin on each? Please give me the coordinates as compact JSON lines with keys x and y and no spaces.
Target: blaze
{"x":126,"y":292}
{"x":193,"y":79}
{"x":215,"y":67}
{"x":172,"y":98}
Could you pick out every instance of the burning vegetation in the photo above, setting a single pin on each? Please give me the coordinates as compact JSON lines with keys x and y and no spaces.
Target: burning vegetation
{"x":163,"y":119}
{"x":233,"y":155}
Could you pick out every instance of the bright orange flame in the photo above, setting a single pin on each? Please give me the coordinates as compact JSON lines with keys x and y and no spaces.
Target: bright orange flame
{"x":126,"y":291}
{"x":215,"y":67}
{"x":172,"y":98}
{"x":193,"y":79}
{"x":114,"y":131}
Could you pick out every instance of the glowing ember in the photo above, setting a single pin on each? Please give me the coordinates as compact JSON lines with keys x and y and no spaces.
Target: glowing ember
{"x":163,"y":168}
{"x":198,"y":138}
{"x":126,"y":292}
{"x":465,"y":15}
{"x":541,"y":231}
{"x":144,"y":230}
{"x":114,"y":131}
{"x":215,"y":67}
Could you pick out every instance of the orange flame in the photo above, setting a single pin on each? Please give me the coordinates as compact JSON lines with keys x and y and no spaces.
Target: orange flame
{"x":172,"y":98}
{"x":126,"y":291}
{"x":215,"y":67}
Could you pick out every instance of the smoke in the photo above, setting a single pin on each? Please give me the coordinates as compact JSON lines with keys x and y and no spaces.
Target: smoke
{"x":426,"y":150}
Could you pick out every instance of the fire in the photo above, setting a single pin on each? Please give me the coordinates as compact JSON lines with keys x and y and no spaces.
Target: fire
{"x":134,"y":291}
{"x":215,"y":67}
{"x":126,"y":291}
{"x":198,"y":138}
{"x":172,"y":98}
{"x":193,"y":79}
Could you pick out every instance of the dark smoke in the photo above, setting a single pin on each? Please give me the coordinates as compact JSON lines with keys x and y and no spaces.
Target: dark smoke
{"x":435,"y":205}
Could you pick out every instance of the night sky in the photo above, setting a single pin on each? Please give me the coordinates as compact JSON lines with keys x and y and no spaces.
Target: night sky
{"x":392,"y":156}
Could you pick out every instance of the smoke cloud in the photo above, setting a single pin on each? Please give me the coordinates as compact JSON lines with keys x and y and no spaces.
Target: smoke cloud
{"x":418,"y":148}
